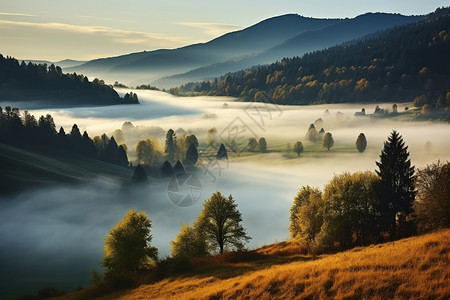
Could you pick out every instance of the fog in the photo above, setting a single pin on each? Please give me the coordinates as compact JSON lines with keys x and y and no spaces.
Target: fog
{"x":54,"y":236}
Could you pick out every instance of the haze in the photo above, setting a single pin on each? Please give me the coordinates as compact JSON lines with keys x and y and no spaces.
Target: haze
{"x":55,"y":235}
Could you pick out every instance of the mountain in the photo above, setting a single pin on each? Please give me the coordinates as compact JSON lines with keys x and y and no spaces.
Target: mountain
{"x":398,"y":65}
{"x":66,"y":63}
{"x":47,"y":86}
{"x":334,"y":33}
{"x":155,"y":64}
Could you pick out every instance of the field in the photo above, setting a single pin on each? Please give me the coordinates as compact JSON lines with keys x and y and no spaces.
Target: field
{"x":417,"y":267}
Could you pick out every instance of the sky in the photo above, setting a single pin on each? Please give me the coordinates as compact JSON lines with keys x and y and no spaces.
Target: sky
{"x":54,"y":30}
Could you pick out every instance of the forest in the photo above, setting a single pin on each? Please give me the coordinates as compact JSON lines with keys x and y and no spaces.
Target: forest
{"x":397,"y":65}
{"x":49,"y":86}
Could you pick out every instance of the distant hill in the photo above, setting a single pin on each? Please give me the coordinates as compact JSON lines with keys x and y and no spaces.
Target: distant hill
{"x":48,"y":86}
{"x":313,"y":39}
{"x":398,"y":64}
{"x":413,"y":268}
{"x":238,"y":49}
{"x":66,"y":63}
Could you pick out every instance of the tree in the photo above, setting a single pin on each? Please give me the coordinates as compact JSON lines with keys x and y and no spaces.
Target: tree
{"x":178,"y":168}
{"x":327,"y":141}
{"x":298,"y":148}
{"x":252,"y":144}
{"x":361,"y":143}
{"x":396,"y":187}
{"x":189,"y":243}
{"x":171,"y":145}
{"x":166,"y":169}
{"x":312,"y":133}
{"x":128,"y":244}
{"x":262,"y":145}
{"x":122,"y":158}
{"x":306,"y":200}
{"x":432,"y":203}
{"x":220,"y":223}
{"x":222,"y":153}
{"x":350,"y":203}
{"x":139,"y":174}
{"x":191,"y":140}
{"x":211,"y":136}
{"x":191,"y":155}
{"x":144,"y":152}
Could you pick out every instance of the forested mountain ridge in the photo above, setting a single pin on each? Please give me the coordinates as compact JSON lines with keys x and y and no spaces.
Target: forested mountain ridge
{"x":239,"y":49}
{"x":399,"y":65}
{"x":331,"y":34}
{"x":48,"y":85}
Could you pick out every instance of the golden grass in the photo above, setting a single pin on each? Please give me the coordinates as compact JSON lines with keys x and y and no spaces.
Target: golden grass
{"x":414,"y":268}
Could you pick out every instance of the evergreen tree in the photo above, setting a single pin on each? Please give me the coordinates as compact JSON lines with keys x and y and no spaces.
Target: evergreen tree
{"x":139,"y":174}
{"x":191,"y":155}
{"x":122,"y":158}
{"x":222,"y":153}
{"x":396,"y":189}
{"x":171,"y":145}
{"x":178,"y":168}
{"x":166,"y":169}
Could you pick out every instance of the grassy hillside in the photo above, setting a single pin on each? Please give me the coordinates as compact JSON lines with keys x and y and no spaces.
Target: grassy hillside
{"x":23,"y":169}
{"x":417,"y":267}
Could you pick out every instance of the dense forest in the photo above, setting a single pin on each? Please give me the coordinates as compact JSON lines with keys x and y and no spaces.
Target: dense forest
{"x":41,"y":136}
{"x":48,"y":85}
{"x":397,"y":65}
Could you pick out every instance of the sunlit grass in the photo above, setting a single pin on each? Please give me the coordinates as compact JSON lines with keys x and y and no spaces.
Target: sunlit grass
{"x":417,"y":267}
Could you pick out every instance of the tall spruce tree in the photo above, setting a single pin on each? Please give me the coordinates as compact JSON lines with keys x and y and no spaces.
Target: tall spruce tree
{"x":396,"y":188}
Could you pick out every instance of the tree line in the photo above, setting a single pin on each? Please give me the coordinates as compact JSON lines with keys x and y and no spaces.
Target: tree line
{"x":371,"y":207}
{"x":399,"y":64}
{"x":24,"y":131}
{"x":22,"y":81}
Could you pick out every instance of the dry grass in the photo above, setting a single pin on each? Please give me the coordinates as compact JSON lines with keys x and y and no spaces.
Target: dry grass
{"x":414,"y":268}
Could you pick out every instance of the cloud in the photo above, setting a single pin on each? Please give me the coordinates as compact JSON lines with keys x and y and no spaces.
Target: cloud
{"x":118,"y":35}
{"x":15,"y":14}
{"x":213,"y":29}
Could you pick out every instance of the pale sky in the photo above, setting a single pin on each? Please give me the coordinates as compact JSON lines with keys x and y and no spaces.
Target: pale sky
{"x":86,"y":29}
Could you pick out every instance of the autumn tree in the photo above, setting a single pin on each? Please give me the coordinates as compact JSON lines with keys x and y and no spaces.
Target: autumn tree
{"x":306,"y":213}
{"x":327,"y":141}
{"x":144,"y":151}
{"x":432,"y":202}
{"x":298,"y":148}
{"x":211,"y":136}
{"x":361,"y":143}
{"x":128,"y":244}
{"x":396,"y":187}
{"x":189,"y":243}
{"x":220,"y":223}
{"x":350,"y":210}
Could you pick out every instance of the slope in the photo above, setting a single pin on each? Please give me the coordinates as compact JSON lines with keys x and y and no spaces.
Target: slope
{"x":21,"y":169}
{"x":253,"y":39}
{"x":417,"y":267}
{"x":306,"y":41}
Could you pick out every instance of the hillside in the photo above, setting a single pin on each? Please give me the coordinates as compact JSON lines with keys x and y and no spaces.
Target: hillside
{"x":396,"y":65}
{"x":48,"y":86}
{"x":417,"y":267}
{"x":22,"y":169}
{"x":314,"y":39}
{"x":238,"y":49}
